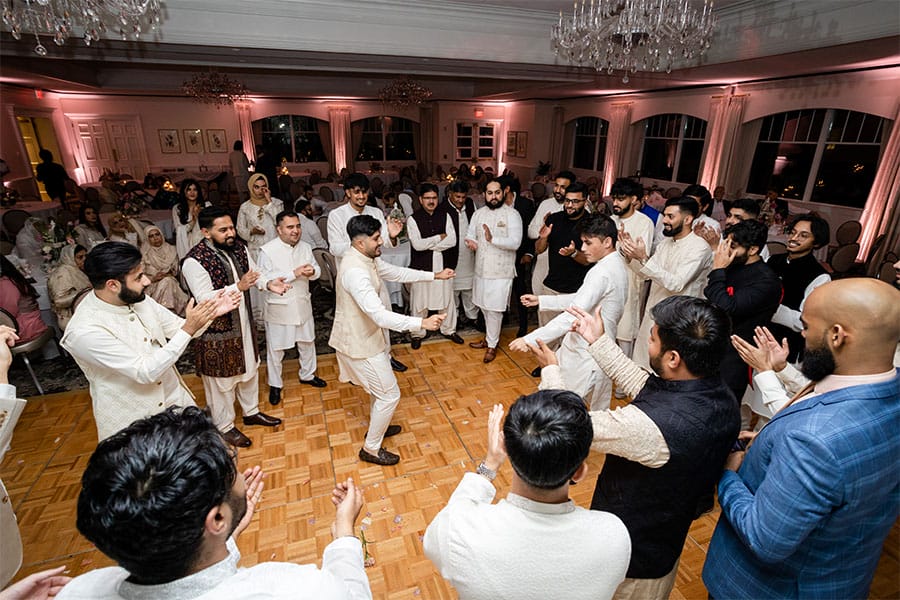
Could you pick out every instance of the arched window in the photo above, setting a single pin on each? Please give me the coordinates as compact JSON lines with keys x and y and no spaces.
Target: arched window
{"x":673,"y":147}
{"x":589,"y":145}
{"x":385,"y":138}
{"x":818,"y":155}
{"x":293,"y":137}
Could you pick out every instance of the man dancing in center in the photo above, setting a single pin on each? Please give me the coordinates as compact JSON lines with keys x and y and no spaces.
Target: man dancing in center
{"x":360,"y":321}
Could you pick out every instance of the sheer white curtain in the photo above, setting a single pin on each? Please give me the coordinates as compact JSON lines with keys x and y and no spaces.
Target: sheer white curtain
{"x":615,"y":144}
{"x":339,"y":121}
{"x":242,"y":107}
{"x":882,"y":213}
{"x":557,"y":130}
{"x":725,"y":113}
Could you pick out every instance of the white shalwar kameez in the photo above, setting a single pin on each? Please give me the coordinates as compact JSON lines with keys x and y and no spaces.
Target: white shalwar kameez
{"x":438,"y":294}
{"x":465,"y":267}
{"x":542,"y":261}
{"x":638,"y":226}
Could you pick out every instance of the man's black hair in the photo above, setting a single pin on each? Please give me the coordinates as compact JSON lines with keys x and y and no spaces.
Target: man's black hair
{"x":695,"y":328}
{"x":110,"y":260}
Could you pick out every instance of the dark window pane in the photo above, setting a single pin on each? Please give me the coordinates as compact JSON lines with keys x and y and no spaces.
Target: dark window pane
{"x":486,"y":142}
{"x":464,"y":142}
{"x":399,"y":147}
{"x":586,"y":126}
{"x":464,"y":130}
{"x":308,"y":147}
{"x":689,"y":167}
{"x":845,"y":174}
{"x":464,"y":153}
{"x":486,"y":131}
{"x":485,"y":153}
{"x":583,"y":155}
{"x":782,"y":167}
{"x":370,"y":147}
{"x":659,"y":158}
{"x":601,"y":153}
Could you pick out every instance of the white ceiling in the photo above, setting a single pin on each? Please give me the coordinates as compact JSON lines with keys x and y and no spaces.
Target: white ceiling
{"x":485,"y":50}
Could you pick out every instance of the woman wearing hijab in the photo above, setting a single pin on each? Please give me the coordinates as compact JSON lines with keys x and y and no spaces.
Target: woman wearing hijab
{"x":90,"y":231}
{"x":161,"y":266}
{"x":184,"y":215}
{"x":256,"y":217}
{"x":66,"y":281}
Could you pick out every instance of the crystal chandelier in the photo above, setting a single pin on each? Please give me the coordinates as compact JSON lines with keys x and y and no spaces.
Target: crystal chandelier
{"x":62,"y":19}
{"x":633,"y":35}
{"x":404,"y":92}
{"x":214,"y":88}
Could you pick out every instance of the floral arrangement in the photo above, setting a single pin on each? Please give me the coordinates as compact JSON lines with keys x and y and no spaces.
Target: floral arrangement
{"x":54,"y":237}
{"x":8,"y":196}
{"x":131,"y":204}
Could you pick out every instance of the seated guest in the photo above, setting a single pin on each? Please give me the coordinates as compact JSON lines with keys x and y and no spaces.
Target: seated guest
{"x":536,"y":543}
{"x":19,"y":299}
{"x":29,"y":242}
{"x":121,"y":230}
{"x":164,"y":499}
{"x":66,"y":281}
{"x":90,"y":230}
{"x":161,"y":266}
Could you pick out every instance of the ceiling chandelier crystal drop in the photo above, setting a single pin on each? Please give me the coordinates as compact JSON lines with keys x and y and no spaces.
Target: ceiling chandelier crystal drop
{"x":633,"y":35}
{"x":404,"y":92}
{"x":88,"y":19}
{"x":214,"y":88}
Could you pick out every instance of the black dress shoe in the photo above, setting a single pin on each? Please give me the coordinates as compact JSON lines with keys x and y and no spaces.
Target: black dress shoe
{"x":416,"y":343}
{"x":262,"y":419}
{"x":315,"y":382}
{"x":383,"y":458}
{"x":274,"y":395}
{"x":236,"y":438}
{"x":391,"y":431}
{"x":400,"y":368}
{"x":536,"y":372}
{"x":454,"y":337}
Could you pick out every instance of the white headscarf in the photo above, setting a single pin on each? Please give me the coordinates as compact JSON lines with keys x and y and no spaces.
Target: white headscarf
{"x":158,"y":260}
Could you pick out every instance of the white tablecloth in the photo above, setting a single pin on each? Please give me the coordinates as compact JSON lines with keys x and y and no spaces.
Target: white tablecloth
{"x":42,"y":210}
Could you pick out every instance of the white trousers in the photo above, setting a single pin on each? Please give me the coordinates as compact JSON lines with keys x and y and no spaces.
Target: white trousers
{"x":220,"y":398}
{"x":376,"y":377}
{"x":493,"y":321}
{"x":448,"y":325}
{"x":465,"y":300}
{"x":307,"y":351}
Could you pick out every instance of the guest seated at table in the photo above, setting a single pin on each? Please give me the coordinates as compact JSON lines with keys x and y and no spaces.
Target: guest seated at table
{"x":90,"y":230}
{"x":121,"y":230}
{"x":66,"y":281}
{"x":184,"y":215}
{"x":19,"y":299}
{"x":29,"y":241}
{"x":161,"y":267}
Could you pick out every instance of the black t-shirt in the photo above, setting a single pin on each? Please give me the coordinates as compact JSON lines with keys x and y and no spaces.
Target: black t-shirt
{"x":565,"y":274}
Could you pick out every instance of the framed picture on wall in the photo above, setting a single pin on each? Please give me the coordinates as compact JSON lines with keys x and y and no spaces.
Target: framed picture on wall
{"x":510,"y":143}
{"x":522,"y":144}
{"x":193,"y":140}
{"x":169,"y":142}
{"x":215,"y":140}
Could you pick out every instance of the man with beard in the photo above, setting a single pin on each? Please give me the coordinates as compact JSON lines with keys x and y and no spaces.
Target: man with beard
{"x":626,"y":195}
{"x":746,"y":288}
{"x":164,"y":500}
{"x":678,"y":266}
{"x":806,"y":511}
{"x":494,"y":234}
{"x":127,"y":344}
{"x":703,"y":222}
{"x":460,"y":208}
{"x":227,"y":355}
{"x":547,"y":207}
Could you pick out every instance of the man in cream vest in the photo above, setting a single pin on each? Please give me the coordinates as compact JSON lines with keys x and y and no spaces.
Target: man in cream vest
{"x":360,"y":321}
{"x":288,"y":316}
{"x":127,"y":344}
{"x":494,"y":234}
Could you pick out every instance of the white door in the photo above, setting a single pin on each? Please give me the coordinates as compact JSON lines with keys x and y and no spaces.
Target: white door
{"x":114,"y":144}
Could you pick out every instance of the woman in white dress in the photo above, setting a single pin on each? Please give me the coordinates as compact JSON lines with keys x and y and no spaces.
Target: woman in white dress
{"x":256,"y":217}
{"x":90,"y":231}
{"x":66,"y":281}
{"x":184,"y":215}
{"x":161,"y":266}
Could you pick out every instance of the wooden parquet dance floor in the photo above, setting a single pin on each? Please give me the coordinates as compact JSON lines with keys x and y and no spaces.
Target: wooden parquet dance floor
{"x":447,"y":394}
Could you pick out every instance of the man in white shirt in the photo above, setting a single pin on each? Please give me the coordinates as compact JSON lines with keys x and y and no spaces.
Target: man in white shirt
{"x":494,"y":234}
{"x":704,"y":199}
{"x":606,"y":285}
{"x":548,"y":206}
{"x":360,"y":324}
{"x":626,"y":195}
{"x":127,"y":344}
{"x":460,"y":208}
{"x":289,"y":316}
{"x":356,"y":192}
{"x":433,"y":241}
{"x":164,"y":499}
{"x":227,"y":354}
{"x":311,"y":234}
{"x":536,"y":543}
{"x":679,"y":264}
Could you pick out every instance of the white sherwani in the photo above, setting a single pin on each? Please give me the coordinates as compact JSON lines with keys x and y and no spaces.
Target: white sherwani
{"x":677,"y":268}
{"x":437,"y":294}
{"x":288,"y":317}
{"x":605,"y":284}
{"x":127,"y":361}
{"x":638,"y":226}
{"x":495,"y":261}
{"x":519,"y":548}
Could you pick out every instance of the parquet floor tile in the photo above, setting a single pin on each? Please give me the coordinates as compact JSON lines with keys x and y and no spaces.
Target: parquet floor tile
{"x":446,"y":396}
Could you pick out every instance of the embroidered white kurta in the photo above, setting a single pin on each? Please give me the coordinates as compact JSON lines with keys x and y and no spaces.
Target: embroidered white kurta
{"x":437,"y":294}
{"x":495,"y":261}
{"x":250,"y":215}
{"x":288,"y":317}
{"x":128,"y":362}
{"x":638,"y":226}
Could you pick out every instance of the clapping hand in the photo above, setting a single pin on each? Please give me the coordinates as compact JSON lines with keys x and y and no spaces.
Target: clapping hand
{"x":496,"y":449}
{"x":445,"y":274}
{"x":253,"y":480}
{"x":306,"y":270}
{"x":246,"y":282}
{"x":196,"y":316}
{"x":8,"y":339}
{"x":545,"y":356}
{"x":766,"y":355}
{"x":707,"y":233}
{"x":278,"y":286}
{"x":488,"y":236}
{"x":633,"y":249}
{"x":395,"y":226}
{"x":568,"y":250}
{"x":588,"y":326}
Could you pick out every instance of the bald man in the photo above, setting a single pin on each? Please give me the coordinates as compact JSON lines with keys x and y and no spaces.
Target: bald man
{"x":806,"y":514}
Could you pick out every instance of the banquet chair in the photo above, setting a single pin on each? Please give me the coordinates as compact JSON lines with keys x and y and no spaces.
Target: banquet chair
{"x":538,"y":191}
{"x":844,"y":259}
{"x":24,"y":348}
{"x":284,"y":185}
{"x":776,"y":248}
{"x":847,"y":233}
{"x":322,"y":223}
{"x":326,"y":193}
{"x":13,"y":221}
{"x":886,"y":272}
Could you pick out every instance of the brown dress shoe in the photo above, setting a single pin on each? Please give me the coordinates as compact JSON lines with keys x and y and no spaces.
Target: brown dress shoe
{"x":262,"y":419}
{"x":490,"y":354}
{"x":479,"y":345}
{"x":236,"y":438}
{"x":383,"y":458}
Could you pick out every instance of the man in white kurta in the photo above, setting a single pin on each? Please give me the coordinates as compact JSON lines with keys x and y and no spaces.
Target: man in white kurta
{"x":430,"y":233}
{"x":460,"y":209}
{"x":678,"y":267}
{"x":289,"y":316}
{"x":126,"y":343}
{"x":605,"y":285}
{"x":222,"y":390}
{"x":547,"y":206}
{"x":360,"y":322}
{"x":626,"y":196}
{"x":494,"y":235}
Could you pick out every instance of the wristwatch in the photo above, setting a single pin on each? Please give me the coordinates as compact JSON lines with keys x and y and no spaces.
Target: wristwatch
{"x":485,"y":472}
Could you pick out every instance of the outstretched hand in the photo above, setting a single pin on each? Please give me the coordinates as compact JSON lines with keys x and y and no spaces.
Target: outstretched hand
{"x":37,"y":586}
{"x":545,"y":356}
{"x":496,"y":448}
{"x":588,"y":326}
{"x":348,"y":499}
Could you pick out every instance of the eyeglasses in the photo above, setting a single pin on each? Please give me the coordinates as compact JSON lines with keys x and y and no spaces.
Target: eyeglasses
{"x":571,"y":201}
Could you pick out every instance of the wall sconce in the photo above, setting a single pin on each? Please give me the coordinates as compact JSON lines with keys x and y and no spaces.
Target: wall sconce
{"x":479,"y":112}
